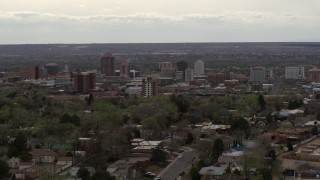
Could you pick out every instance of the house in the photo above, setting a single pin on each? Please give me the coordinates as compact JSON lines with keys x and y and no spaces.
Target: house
{"x":20,"y":175}
{"x":307,"y":175}
{"x":14,"y":162}
{"x":231,"y":177}
{"x":74,"y":170}
{"x":33,"y":141}
{"x":43,"y":155}
{"x":213,"y":172}
{"x":64,"y":162}
{"x":25,"y":165}
{"x":146,"y":146}
{"x":119,"y":169}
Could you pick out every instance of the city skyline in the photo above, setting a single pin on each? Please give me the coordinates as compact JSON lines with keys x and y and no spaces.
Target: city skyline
{"x":144,"y":21}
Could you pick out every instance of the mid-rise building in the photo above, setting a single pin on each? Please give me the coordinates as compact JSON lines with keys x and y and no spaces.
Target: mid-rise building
{"x":182,"y":66}
{"x":84,"y":82}
{"x":189,"y":75}
{"x":294,"y":72}
{"x":314,"y":75}
{"x":133,"y":73}
{"x":52,"y":69}
{"x":149,"y":87}
{"x":107,"y":64}
{"x":124,"y":69}
{"x":258,"y":74}
{"x":168,"y":72}
{"x":179,"y":76}
{"x":199,"y":67}
{"x":165,"y":65}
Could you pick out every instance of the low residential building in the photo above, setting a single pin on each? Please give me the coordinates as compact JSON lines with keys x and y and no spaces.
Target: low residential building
{"x":43,"y":155}
{"x":307,"y":175}
{"x":14,"y":162}
{"x":212,"y":172}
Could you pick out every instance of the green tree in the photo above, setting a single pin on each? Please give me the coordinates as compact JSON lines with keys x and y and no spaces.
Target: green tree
{"x":189,"y":138}
{"x":83,"y":173}
{"x":289,"y":145}
{"x":236,"y":171}
{"x":181,"y":102}
{"x":158,"y":156}
{"x":262,"y":102}
{"x":194,"y":173}
{"x":102,"y":175}
{"x":217,"y":149}
{"x":89,"y":99}
{"x":240,"y":124}
{"x":4,"y":169}
{"x":136,"y":133}
{"x":315,"y":130}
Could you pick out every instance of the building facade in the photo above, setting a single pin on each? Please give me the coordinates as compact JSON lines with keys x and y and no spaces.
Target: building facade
{"x":165,"y":65}
{"x":294,"y":72}
{"x":257,"y":74}
{"x":182,"y":66}
{"x":107,"y":65}
{"x":149,"y":87}
{"x":199,"y":67}
{"x":189,"y":75}
{"x":124,"y":69}
{"x":314,"y":75}
{"x":84,"y":82}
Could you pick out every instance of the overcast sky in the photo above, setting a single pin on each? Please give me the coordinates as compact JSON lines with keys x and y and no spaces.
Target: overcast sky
{"x":121,"y":21}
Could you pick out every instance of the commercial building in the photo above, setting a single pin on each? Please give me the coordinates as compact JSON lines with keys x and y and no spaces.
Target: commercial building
{"x":84,"y":82}
{"x":124,"y":69}
{"x":189,"y":75}
{"x":182,"y":66}
{"x":258,"y":74}
{"x":294,"y":72}
{"x":314,"y":75}
{"x":165,"y":65}
{"x":107,"y":64}
{"x":168,"y":72}
{"x":149,"y":87}
{"x":134,"y":74}
{"x":52,"y":69}
{"x":199,"y":67}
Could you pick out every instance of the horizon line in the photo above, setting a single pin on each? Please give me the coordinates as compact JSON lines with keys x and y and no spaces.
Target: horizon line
{"x":208,"y":42}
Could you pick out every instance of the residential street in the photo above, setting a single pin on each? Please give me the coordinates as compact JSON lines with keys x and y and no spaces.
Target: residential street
{"x":173,"y":170}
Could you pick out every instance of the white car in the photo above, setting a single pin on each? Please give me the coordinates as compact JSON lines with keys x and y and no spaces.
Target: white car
{"x":180,"y":156}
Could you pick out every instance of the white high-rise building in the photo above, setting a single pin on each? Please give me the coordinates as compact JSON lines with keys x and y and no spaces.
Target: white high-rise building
{"x":189,"y":75}
{"x":199,"y":67}
{"x":258,"y":74}
{"x":294,"y":72}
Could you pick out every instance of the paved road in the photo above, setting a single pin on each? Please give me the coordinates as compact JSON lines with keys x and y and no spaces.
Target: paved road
{"x":172,"y":171}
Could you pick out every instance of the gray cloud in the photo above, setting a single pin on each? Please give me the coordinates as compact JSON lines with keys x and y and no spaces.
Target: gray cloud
{"x":37,"y":27}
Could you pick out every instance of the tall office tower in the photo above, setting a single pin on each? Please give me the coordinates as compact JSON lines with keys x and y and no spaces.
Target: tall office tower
{"x":199,"y":67}
{"x":182,"y":66}
{"x":314,"y":75}
{"x":189,"y":75}
{"x":83,"y":82}
{"x":149,"y":87}
{"x":52,"y":69}
{"x":294,"y":72}
{"x":165,"y":65}
{"x":107,"y":64}
{"x":258,"y":74}
{"x":34,"y":72}
{"x":124,"y":69}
